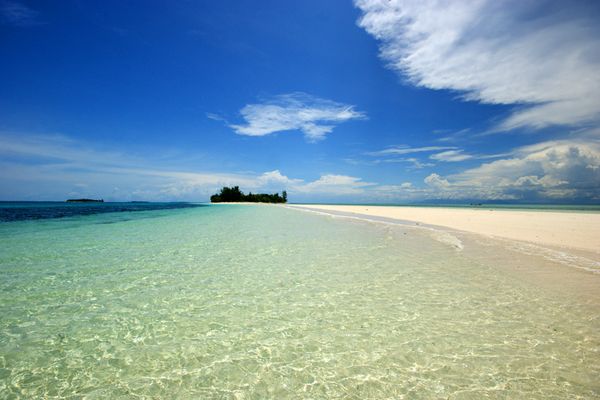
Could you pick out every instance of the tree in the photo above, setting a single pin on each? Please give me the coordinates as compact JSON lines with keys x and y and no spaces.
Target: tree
{"x":234,"y":194}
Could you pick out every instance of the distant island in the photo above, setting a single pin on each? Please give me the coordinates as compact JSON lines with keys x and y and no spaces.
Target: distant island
{"x":235,"y":195}
{"x":85,"y":201}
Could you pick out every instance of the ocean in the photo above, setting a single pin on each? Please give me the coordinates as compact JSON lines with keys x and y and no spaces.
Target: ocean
{"x":254,"y":301}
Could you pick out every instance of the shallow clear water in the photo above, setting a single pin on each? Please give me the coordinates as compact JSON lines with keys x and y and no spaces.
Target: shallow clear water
{"x":234,"y":301}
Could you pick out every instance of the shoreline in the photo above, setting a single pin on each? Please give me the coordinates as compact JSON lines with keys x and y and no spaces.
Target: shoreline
{"x":577,"y":231}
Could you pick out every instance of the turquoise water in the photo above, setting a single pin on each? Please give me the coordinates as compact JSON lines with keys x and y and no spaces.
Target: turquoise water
{"x":252,"y":302}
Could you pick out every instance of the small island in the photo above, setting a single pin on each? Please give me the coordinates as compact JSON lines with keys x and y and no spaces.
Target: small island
{"x":235,"y":195}
{"x":85,"y":201}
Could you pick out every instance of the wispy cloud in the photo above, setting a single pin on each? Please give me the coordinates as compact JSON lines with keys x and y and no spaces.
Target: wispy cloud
{"x":402,"y":149}
{"x":447,"y":136}
{"x":414,"y":162}
{"x":449,"y":153}
{"x":451,"y":156}
{"x":52,"y":167}
{"x":56,"y":166}
{"x":496,"y":53}
{"x":216,"y":117}
{"x":17,"y":14}
{"x":313,"y":116}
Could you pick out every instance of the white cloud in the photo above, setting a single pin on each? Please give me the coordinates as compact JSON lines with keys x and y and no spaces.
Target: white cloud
{"x":402,"y":149}
{"x":545,"y":181}
{"x":541,"y":56}
{"x":335,"y":184}
{"x":554,"y":169}
{"x":277,"y":178}
{"x":451,"y":156}
{"x":436,"y":181}
{"x":215,"y":117}
{"x":415,"y":163}
{"x":314,"y":116}
{"x":59,"y":148}
{"x":51,"y":167}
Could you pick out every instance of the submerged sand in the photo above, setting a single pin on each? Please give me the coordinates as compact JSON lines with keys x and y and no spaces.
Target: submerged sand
{"x":575,"y":230}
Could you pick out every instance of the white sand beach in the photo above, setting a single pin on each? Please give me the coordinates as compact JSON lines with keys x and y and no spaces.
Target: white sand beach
{"x":576,"y":230}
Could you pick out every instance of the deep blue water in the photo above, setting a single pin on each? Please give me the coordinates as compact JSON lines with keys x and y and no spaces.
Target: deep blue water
{"x":34,"y":210}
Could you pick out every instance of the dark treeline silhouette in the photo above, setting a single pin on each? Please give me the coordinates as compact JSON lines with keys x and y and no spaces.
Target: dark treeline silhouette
{"x":234,"y":194}
{"x":85,"y":201}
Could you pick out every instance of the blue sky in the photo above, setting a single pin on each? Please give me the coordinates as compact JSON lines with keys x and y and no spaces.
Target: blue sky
{"x":335,"y":101}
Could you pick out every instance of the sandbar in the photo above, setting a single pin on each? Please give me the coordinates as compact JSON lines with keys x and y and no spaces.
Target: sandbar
{"x":575,"y":230}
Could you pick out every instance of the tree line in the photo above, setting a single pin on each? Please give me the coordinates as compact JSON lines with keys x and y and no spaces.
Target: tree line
{"x":234,"y":194}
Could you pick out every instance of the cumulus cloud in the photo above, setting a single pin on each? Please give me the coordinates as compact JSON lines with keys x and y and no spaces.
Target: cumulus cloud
{"x":496,"y":53}
{"x":278,"y":178}
{"x":314,"y":116}
{"x":548,"y":170}
{"x":335,"y":184}
{"x":50,"y":167}
{"x":436,"y":181}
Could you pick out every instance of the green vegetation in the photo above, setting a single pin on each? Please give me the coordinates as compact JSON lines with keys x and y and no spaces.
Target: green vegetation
{"x":234,"y":194}
{"x":85,"y":201}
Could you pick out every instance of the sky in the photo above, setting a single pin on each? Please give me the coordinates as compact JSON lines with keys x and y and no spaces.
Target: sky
{"x":371,"y":101}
